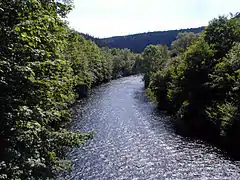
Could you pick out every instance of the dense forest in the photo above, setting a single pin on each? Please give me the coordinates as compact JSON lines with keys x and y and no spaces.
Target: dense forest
{"x":44,"y":67}
{"x":198,"y":81}
{"x":138,"y":42}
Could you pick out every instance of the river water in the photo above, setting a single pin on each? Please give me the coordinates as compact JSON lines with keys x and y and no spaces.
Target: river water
{"x":135,"y":141}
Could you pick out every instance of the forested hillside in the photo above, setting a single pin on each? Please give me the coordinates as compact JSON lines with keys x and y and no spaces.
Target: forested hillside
{"x":198,"y":81}
{"x":44,"y":67}
{"x":137,"y":42}
{"x":98,"y":41}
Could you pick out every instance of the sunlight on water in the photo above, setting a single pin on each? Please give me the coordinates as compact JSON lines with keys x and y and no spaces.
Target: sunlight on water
{"x":134,"y":141}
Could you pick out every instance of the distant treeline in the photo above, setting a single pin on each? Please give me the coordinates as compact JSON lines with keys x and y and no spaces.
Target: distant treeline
{"x":44,"y":67}
{"x":198,"y":81}
{"x":138,"y":42}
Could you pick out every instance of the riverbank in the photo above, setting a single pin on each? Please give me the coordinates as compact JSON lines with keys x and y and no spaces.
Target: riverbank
{"x":134,"y":140}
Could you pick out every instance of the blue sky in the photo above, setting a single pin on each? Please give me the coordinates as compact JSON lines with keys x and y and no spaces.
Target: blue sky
{"x":106,"y":18}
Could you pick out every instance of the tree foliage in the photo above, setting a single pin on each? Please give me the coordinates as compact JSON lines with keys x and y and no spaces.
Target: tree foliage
{"x":201,"y":84}
{"x":184,"y":40}
{"x":123,"y":62}
{"x":138,"y":42}
{"x":154,"y":59}
{"x":44,"y":66}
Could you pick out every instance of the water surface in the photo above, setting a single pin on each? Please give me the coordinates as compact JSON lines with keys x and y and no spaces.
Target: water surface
{"x":135,"y":141}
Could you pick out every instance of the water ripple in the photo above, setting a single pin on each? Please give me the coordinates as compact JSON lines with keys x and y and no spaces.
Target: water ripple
{"x":134,"y":141}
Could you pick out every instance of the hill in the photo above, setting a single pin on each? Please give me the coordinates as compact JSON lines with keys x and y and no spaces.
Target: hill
{"x":137,"y":42}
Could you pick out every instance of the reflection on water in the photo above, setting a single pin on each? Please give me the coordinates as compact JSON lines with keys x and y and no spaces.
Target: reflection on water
{"x":134,"y":141}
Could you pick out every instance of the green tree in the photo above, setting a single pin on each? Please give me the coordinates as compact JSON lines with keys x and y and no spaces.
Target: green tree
{"x":154,"y":59}
{"x":36,"y":89}
{"x":201,"y":84}
{"x":221,"y":33}
{"x":184,"y":40}
{"x":224,"y":111}
{"x":123,"y":62}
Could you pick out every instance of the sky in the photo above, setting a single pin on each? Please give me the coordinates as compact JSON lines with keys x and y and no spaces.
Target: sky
{"x":107,"y":18}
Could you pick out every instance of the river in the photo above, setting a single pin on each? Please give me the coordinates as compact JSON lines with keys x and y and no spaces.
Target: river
{"x":135,"y":141}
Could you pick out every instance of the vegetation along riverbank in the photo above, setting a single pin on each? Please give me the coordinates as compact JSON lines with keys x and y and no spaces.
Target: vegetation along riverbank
{"x":198,"y":81}
{"x":45,"y":66}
